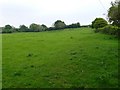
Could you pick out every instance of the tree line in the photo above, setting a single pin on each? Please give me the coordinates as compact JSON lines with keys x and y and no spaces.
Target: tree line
{"x":58,"y":25}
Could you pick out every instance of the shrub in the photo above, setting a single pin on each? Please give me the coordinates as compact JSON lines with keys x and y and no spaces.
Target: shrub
{"x":97,"y":30}
{"x":73,"y":25}
{"x":118,"y":32}
{"x":7,"y":30}
{"x":109,"y":29}
{"x":99,"y":23}
{"x":51,"y":28}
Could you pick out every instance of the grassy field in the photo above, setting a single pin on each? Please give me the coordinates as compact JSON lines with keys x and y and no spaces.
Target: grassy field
{"x":71,"y":58}
{"x":0,"y":61}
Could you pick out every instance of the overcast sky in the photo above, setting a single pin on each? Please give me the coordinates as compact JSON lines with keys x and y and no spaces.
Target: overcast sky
{"x":19,"y":12}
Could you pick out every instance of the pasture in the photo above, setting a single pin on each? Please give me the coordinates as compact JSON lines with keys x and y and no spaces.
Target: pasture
{"x":0,"y":61}
{"x":70,"y":58}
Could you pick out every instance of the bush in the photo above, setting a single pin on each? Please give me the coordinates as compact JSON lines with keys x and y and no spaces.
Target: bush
{"x":7,"y":30}
{"x":118,"y":32}
{"x":73,"y":25}
{"x":97,"y":30}
{"x":99,"y":23}
{"x":51,"y":28}
{"x":109,"y":29}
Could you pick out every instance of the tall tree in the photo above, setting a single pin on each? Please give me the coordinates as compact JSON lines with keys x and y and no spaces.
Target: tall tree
{"x":114,"y":13}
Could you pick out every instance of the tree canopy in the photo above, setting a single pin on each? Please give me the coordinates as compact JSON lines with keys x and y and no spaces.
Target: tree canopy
{"x":23,"y":28}
{"x":99,"y":23}
{"x":8,"y":27}
{"x":35,"y":27}
{"x":59,"y":24}
{"x":114,"y":13}
{"x":44,"y":27}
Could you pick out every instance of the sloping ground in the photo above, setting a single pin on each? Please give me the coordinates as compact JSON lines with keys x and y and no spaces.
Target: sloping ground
{"x":67,"y":58}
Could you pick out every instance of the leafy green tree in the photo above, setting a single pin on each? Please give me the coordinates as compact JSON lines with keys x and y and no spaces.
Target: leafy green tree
{"x":78,"y":24}
{"x":114,"y":13}
{"x":23,"y":28}
{"x":44,"y":27}
{"x":59,"y":24}
{"x":99,"y":23}
{"x":7,"y":29}
{"x":35,"y":27}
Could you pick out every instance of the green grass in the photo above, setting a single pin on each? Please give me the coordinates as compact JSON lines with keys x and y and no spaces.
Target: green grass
{"x":68,"y":59}
{"x":0,"y":61}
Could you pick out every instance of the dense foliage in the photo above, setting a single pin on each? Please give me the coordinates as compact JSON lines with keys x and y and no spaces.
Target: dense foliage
{"x":7,"y":29}
{"x":23,"y":28}
{"x":73,"y":25}
{"x":58,"y":25}
{"x":109,"y":29}
{"x":99,"y":23}
{"x":114,"y":13}
{"x":44,"y":27}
